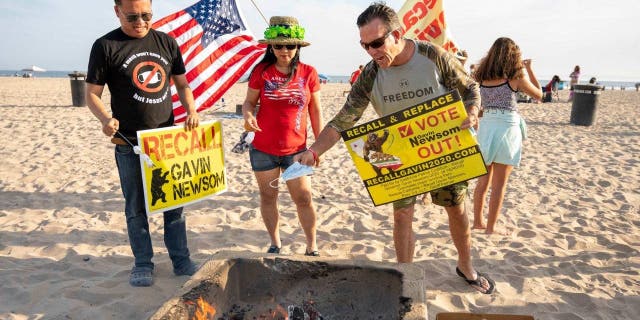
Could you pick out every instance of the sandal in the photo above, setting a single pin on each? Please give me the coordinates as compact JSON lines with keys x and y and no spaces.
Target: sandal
{"x":187,"y":270}
{"x":141,"y":277}
{"x":312,"y":253}
{"x":273,"y":249}
{"x":477,"y":283}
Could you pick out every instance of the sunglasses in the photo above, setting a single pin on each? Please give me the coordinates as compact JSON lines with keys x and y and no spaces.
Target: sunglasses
{"x":146,"y":16}
{"x":377,"y":43}
{"x":288,"y":46}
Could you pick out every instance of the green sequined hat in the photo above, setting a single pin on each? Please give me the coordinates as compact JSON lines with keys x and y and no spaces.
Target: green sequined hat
{"x":284,"y":30}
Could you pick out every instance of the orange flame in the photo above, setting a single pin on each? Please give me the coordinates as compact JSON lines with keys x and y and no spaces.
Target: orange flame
{"x":203,"y":310}
{"x":278,"y":314}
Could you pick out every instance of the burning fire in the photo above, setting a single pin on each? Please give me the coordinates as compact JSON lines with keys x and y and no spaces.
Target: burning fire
{"x":203,"y":310}
{"x":280,"y":312}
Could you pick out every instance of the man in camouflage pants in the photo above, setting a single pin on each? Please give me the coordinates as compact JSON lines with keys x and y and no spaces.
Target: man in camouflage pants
{"x":403,"y":73}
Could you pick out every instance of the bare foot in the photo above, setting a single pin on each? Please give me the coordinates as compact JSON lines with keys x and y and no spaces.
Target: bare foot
{"x":481,"y":226}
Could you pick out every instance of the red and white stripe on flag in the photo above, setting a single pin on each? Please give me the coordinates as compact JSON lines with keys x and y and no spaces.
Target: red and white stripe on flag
{"x":216,"y":47}
{"x":424,"y":20}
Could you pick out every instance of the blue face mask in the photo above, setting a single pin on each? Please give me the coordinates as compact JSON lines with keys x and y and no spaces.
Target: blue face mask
{"x":294,"y":171}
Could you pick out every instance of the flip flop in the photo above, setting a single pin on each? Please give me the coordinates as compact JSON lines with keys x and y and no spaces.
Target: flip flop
{"x":477,"y":283}
{"x":312,"y":253}
{"x":273,"y":249}
{"x":141,"y":277}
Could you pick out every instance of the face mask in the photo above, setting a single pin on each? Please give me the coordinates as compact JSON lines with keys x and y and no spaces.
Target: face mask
{"x":296,"y":170}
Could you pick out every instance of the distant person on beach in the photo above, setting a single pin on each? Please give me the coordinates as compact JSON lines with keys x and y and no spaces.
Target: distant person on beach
{"x":551,"y":88}
{"x":118,"y":59}
{"x":501,"y":75}
{"x":592,"y":80}
{"x":355,"y":75}
{"x":289,"y":96}
{"x":431,"y":67}
{"x":575,"y":77}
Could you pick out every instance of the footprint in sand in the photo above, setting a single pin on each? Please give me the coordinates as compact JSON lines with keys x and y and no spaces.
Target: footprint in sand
{"x":527,"y":234}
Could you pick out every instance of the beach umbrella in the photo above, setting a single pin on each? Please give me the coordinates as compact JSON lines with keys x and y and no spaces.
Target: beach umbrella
{"x":323,"y":77}
{"x":34,"y":69}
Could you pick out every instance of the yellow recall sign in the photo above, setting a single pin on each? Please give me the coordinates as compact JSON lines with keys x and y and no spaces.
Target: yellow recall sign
{"x":415,"y":150}
{"x":187,"y":166}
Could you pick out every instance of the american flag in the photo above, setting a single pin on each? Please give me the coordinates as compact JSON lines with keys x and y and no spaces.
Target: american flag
{"x":216,"y":47}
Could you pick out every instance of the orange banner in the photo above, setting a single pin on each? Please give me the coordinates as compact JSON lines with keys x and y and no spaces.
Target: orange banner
{"x":424,"y":20}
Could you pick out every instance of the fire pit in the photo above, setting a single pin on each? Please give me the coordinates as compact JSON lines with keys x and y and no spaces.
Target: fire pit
{"x":256,"y":286}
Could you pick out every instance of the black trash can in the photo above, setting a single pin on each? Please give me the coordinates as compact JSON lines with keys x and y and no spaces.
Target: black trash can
{"x":585,"y":101}
{"x":78,"y":86}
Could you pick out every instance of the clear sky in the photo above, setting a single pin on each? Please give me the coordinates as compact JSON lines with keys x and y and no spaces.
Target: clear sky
{"x":603,"y":37}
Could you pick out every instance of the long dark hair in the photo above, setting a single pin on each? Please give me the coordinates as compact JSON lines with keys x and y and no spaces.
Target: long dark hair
{"x":270,"y":58}
{"x":503,"y":60}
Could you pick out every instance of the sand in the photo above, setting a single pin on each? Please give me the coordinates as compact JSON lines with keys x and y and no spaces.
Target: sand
{"x":573,"y":204}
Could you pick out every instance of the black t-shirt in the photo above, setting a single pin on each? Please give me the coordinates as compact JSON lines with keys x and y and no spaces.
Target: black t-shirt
{"x":138,"y":73}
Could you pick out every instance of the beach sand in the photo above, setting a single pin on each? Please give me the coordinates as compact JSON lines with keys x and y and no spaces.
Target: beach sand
{"x":574,"y":204}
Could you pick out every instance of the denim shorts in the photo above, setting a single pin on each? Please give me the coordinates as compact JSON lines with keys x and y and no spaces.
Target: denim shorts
{"x":448,"y":196}
{"x":261,"y":161}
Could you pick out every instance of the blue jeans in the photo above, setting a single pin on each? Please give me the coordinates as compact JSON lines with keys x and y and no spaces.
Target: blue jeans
{"x":175,"y":233}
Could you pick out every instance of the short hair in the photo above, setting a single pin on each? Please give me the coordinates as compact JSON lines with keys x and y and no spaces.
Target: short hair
{"x":119,"y":2}
{"x":381,"y":11}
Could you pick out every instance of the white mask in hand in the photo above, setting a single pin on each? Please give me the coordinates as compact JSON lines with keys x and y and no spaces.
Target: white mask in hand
{"x":296,"y":170}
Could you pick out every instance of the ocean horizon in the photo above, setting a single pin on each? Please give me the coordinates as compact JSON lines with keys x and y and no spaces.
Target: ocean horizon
{"x":615,"y":84}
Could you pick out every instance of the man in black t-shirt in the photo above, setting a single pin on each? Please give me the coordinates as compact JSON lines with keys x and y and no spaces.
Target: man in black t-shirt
{"x":137,"y":63}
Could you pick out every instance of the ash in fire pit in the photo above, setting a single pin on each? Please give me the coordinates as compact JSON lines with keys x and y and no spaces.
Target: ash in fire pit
{"x":261,"y":287}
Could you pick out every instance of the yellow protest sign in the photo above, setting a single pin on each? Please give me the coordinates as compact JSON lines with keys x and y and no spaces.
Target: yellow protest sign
{"x":187,"y":166}
{"x":415,"y":150}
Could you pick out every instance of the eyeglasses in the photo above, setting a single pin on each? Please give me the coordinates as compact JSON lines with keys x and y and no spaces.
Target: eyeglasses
{"x":288,"y":46}
{"x":146,"y":16}
{"x":377,"y":43}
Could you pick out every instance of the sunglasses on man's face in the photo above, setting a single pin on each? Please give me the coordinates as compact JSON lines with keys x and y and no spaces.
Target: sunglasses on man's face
{"x":288,"y":46}
{"x":146,"y":16}
{"x":377,"y":43}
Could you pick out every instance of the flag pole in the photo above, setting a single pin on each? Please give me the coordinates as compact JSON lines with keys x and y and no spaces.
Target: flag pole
{"x":260,"y":11}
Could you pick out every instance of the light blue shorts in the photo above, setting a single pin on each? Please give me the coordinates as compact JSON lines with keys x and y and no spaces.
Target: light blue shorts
{"x":500,"y":136}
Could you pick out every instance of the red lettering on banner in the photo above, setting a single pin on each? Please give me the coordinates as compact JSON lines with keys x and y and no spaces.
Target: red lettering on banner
{"x":430,"y":32}
{"x":442,"y":22}
{"x":176,"y":143}
{"x":410,"y":19}
{"x":438,"y":118}
{"x":167,"y":145}
{"x":151,"y":146}
{"x":435,"y":148}
{"x":195,"y":141}
{"x":420,"y":10}
{"x":433,"y":29}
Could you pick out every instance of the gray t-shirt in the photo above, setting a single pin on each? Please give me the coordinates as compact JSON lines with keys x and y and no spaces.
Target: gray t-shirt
{"x":431,"y":72}
{"x":400,"y":87}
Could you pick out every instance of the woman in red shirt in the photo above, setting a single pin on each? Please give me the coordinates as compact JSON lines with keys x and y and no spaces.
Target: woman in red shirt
{"x":288,"y":91}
